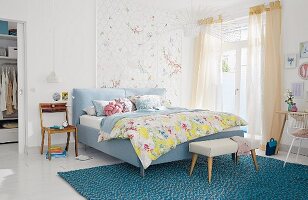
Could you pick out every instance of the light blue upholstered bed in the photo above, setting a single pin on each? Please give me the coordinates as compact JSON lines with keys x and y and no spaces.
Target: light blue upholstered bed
{"x":122,"y":148}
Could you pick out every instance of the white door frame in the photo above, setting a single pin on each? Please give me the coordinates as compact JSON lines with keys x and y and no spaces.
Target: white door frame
{"x":237,"y":46}
{"x":22,"y":86}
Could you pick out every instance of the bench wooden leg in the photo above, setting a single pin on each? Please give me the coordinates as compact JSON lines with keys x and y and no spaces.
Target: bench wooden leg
{"x":235,"y":157}
{"x":254,"y":158}
{"x":193,"y":163}
{"x":209,"y":167}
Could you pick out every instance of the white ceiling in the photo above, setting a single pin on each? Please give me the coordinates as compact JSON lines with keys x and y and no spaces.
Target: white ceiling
{"x":228,"y":8}
{"x":183,"y":4}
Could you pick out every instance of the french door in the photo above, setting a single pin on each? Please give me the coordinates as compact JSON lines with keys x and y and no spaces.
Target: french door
{"x":234,"y":64}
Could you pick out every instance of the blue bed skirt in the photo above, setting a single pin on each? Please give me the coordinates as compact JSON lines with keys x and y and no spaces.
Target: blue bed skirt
{"x":123,"y":149}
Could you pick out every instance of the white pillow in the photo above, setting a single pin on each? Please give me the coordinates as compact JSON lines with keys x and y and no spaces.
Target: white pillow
{"x":90,"y":110}
{"x":99,"y":106}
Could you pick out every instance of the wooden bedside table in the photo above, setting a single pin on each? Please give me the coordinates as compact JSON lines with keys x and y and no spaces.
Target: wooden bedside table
{"x":54,"y":108}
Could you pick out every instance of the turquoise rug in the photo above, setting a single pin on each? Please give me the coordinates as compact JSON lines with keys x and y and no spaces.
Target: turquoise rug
{"x":171,"y":180}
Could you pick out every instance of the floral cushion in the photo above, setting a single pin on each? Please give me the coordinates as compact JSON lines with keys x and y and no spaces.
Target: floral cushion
{"x":148,"y":102}
{"x":112,"y":108}
{"x":163,"y":101}
{"x":302,"y":133}
{"x":126,"y":104}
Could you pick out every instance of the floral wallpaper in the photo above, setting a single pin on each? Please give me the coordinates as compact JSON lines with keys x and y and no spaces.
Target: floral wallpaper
{"x":137,"y":46}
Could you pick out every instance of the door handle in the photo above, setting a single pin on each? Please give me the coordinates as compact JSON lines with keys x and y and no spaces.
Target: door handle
{"x":236,"y":90}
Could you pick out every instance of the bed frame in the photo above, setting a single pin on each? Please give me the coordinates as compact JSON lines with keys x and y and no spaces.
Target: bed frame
{"x":120,"y":148}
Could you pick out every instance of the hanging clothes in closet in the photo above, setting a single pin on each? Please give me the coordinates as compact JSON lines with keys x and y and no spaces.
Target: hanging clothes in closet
{"x":8,"y":89}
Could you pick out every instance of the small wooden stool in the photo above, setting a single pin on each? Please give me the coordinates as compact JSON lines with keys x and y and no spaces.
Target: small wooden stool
{"x":53,"y":108}
{"x":212,"y":148}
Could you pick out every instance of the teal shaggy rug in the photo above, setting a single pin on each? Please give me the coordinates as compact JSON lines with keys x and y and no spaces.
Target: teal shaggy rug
{"x":171,"y":180}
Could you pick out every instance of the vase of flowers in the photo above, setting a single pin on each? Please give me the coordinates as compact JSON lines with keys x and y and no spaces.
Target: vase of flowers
{"x":294,"y":108}
{"x":289,"y":100}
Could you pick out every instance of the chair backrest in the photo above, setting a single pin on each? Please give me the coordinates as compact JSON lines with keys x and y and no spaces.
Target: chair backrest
{"x":52,"y":108}
{"x":297,"y":120}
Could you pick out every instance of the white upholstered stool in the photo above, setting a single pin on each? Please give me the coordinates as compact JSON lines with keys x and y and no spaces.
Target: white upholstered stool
{"x":218,"y":147}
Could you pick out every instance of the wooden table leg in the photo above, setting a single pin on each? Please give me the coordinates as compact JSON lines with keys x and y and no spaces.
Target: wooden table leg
{"x":49,"y":145}
{"x":193,"y":163}
{"x":254,"y":158}
{"x":68,"y":141}
{"x":76,"y":142}
{"x":281,"y":132}
{"x":209,"y":167}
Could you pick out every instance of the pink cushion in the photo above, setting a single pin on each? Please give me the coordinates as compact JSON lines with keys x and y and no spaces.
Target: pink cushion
{"x":302,"y":133}
{"x":112,"y":108}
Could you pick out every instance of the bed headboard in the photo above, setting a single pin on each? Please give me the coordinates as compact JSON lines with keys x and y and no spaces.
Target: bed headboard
{"x":82,"y":98}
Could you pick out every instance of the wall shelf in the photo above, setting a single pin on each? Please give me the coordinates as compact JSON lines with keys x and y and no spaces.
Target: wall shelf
{"x":7,"y":58}
{"x":7,"y":119}
{"x":8,"y":37}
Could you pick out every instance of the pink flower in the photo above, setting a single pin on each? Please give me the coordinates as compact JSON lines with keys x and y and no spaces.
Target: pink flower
{"x":130,"y":136}
{"x":146,"y":147}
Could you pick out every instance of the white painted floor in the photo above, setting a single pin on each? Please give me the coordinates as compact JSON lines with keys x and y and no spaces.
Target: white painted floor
{"x":33,"y":177}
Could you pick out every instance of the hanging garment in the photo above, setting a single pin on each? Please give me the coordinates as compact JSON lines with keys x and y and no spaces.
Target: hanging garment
{"x":14,"y":91}
{"x":3,"y":92}
{"x":1,"y":114}
{"x":9,"y":100}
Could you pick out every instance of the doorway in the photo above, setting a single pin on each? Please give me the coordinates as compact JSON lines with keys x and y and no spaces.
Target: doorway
{"x":234,"y":65}
{"x":13,"y":116}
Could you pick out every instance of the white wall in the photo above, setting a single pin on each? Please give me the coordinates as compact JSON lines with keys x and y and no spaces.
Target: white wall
{"x":188,"y":48}
{"x":295,"y":30}
{"x":75,"y":50}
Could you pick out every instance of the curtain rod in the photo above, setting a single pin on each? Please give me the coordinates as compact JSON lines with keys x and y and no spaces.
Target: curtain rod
{"x":265,"y":7}
{"x":210,"y":20}
{"x":235,"y":19}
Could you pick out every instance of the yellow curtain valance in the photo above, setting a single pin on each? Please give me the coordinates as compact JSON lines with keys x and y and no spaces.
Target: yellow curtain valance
{"x":262,"y":8}
{"x":210,"y":20}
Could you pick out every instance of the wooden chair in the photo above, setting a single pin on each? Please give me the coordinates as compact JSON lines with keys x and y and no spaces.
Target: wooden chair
{"x":54,"y":108}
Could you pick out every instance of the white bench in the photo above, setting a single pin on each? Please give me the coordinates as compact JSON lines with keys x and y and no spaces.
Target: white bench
{"x":218,"y":147}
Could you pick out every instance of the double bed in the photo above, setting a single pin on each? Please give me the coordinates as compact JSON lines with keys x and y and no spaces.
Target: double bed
{"x":89,"y":127}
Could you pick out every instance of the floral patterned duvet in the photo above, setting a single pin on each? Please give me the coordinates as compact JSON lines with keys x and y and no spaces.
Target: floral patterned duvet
{"x":155,"y":135}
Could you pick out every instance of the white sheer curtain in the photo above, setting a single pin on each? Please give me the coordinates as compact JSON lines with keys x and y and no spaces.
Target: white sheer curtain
{"x":254,"y":73}
{"x":207,"y":81}
{"x":272,"y":95}
{"x":264,"y":71}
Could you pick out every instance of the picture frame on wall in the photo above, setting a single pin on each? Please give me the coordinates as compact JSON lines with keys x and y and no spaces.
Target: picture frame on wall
{"x":303,"y":49}
{"x":303,"y":71}
{"x":291,"y":61}
{"x":64,"y":96}
{"x":298,"y":90}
